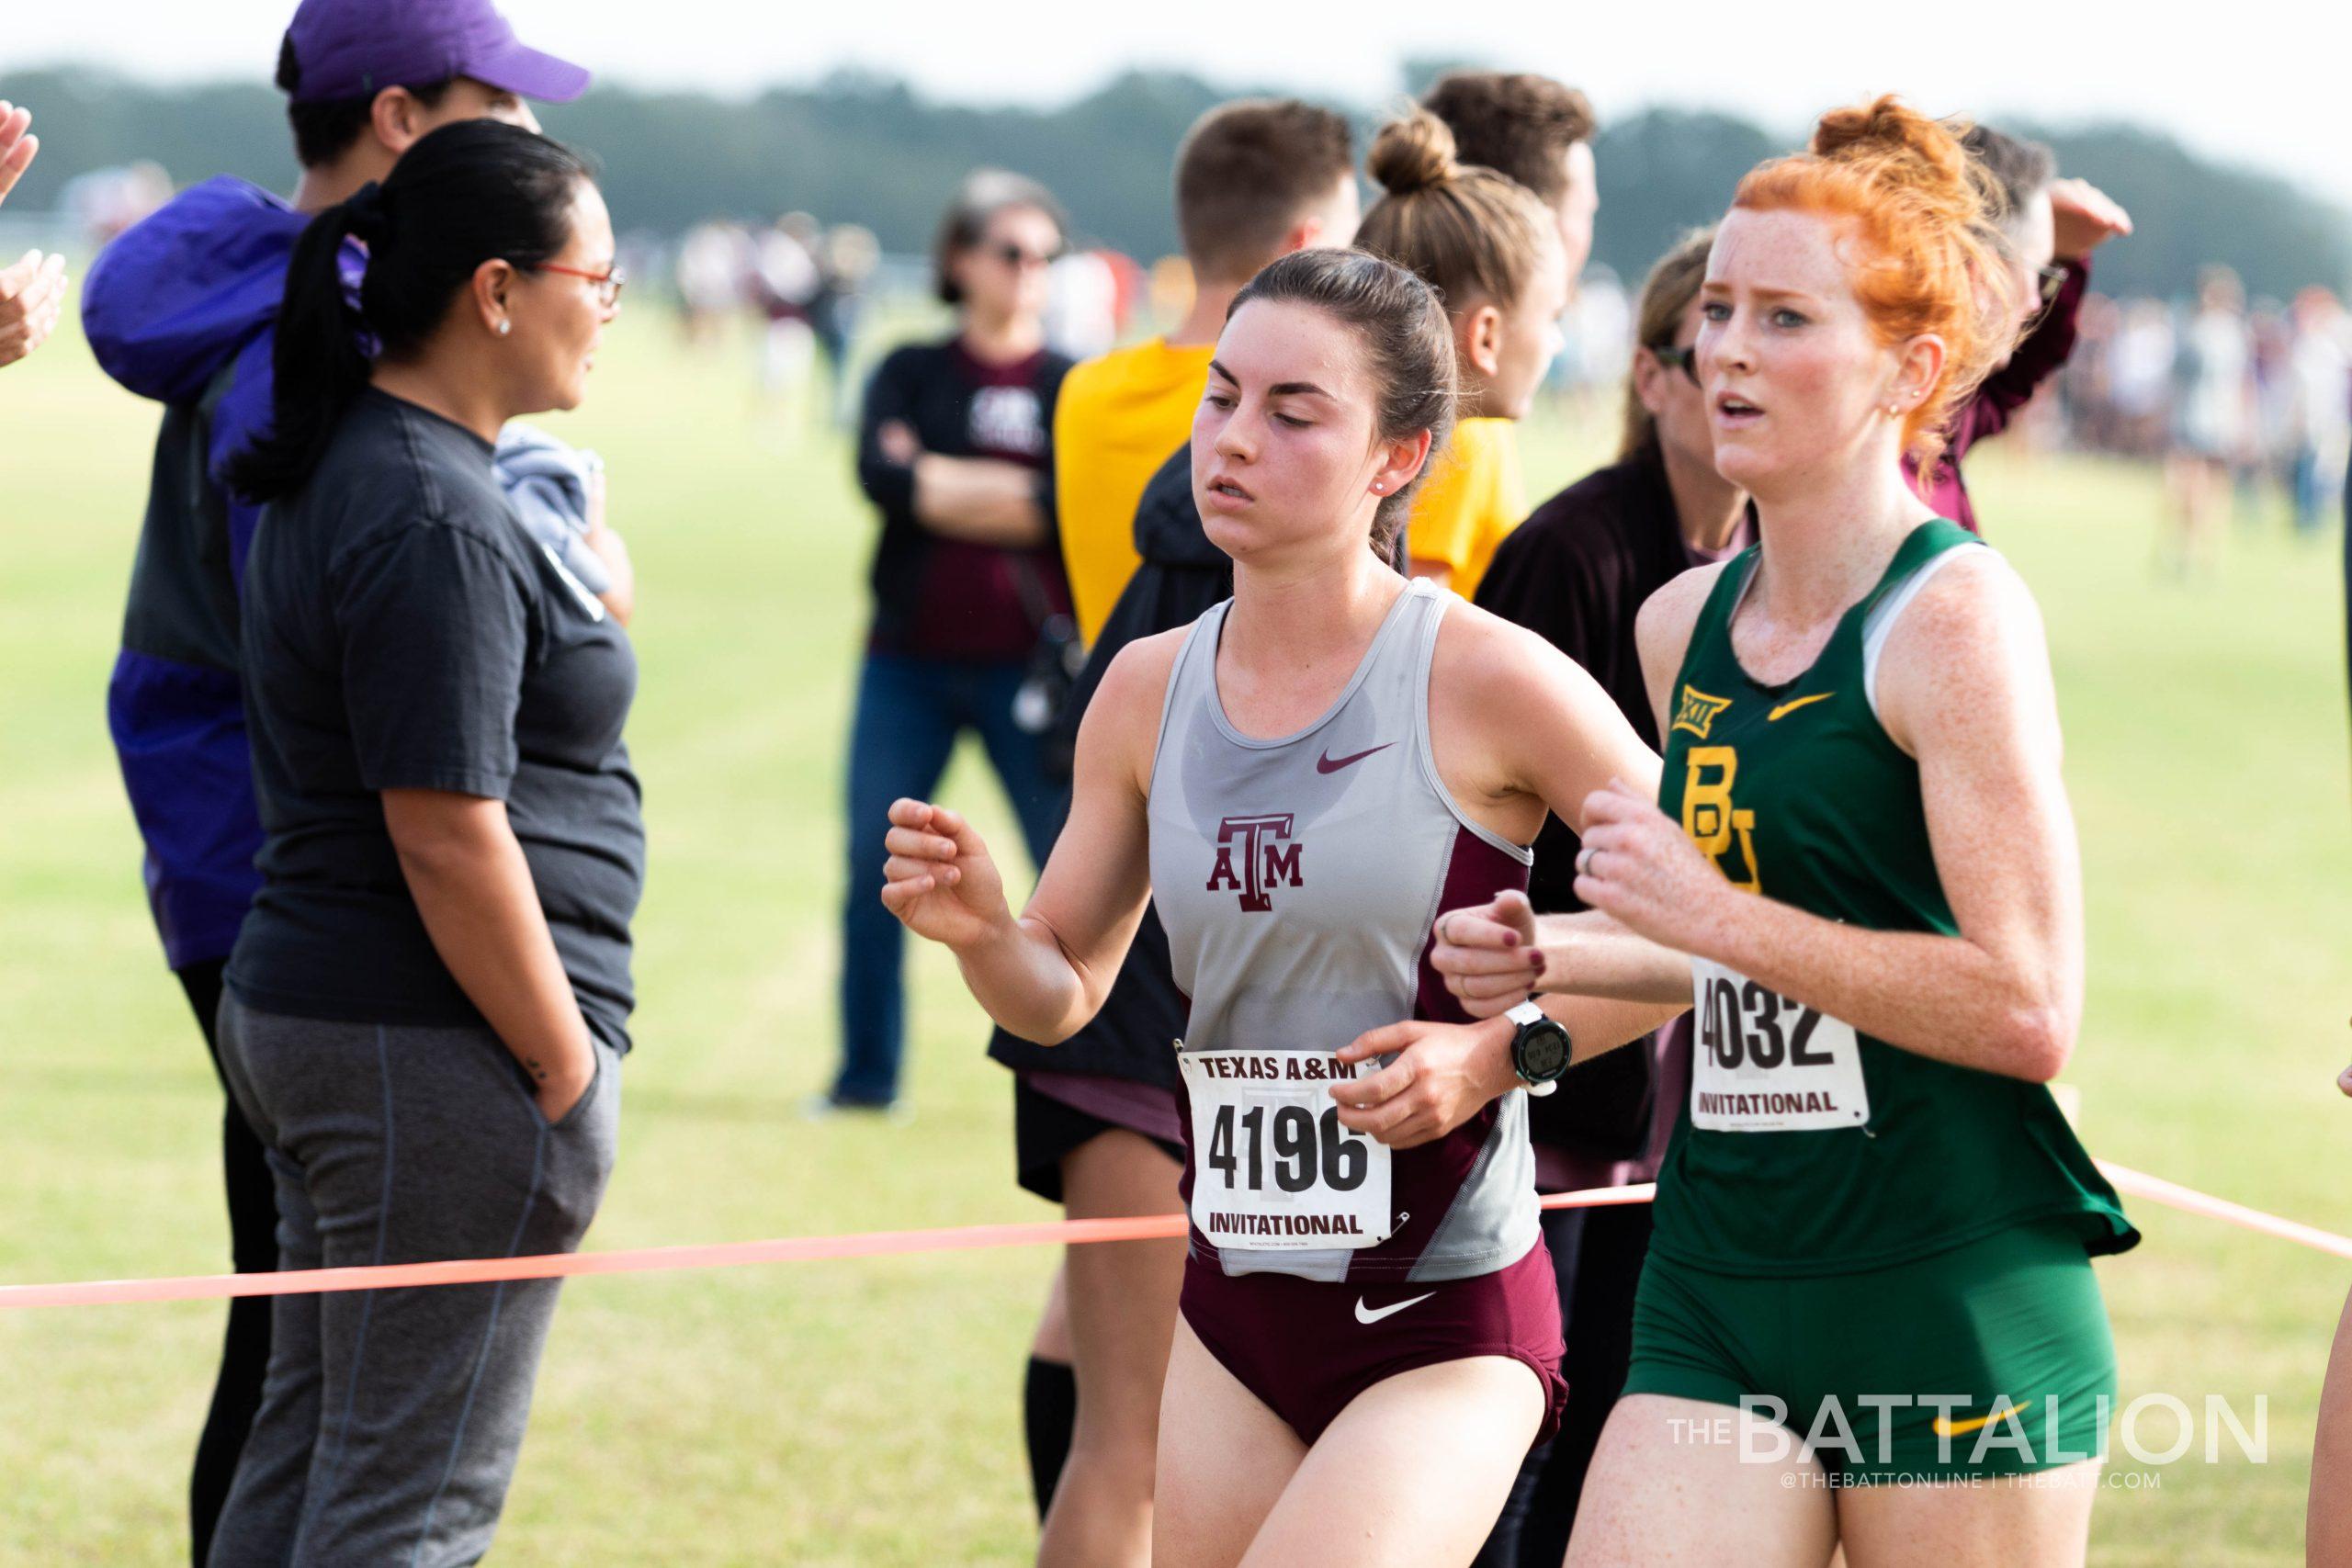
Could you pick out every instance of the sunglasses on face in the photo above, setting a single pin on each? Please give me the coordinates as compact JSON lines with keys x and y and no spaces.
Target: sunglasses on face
{"x":1683,"y":359}
{"x":1019,"y":257}
{"x":609,"y":282}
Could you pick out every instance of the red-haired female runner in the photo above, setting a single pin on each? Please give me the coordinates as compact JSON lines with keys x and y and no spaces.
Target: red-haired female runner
{"x":1870,"y":1264}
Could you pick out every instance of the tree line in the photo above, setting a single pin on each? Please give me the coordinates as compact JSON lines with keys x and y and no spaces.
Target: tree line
{"x":856,"y":147}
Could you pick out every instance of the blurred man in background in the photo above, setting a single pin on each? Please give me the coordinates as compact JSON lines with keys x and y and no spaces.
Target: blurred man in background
{"x":786,"y":279}
{"x":713,"y":276}
{"x":1537,"y":133}
{"x":2210,"y":410}
{"x":182,"y":308}
{"x":1255,"y":180}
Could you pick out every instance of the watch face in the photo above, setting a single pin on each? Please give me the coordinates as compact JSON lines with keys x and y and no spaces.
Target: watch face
{"x":1543,"y":1052}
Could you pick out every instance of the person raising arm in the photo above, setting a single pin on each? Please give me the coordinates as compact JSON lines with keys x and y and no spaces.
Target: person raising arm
{"x":32,"y":290}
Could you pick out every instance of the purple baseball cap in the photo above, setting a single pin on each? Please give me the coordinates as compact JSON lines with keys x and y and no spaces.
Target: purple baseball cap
{"x":354,"y":49}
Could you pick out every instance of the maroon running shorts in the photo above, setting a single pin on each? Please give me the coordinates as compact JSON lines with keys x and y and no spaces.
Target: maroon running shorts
{"x":1307,"y":1347}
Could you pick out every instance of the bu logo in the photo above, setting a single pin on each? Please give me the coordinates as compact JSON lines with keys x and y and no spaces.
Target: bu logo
{"x":1268,"y":858}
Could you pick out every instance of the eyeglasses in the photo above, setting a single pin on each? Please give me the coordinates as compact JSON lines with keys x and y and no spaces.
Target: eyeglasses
{"x":1018,"y":258}
{"x":609,"y":282}
{"x":1683,"y":359}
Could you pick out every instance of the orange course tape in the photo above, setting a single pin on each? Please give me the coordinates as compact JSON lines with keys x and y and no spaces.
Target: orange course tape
{"x":881,"y":1243}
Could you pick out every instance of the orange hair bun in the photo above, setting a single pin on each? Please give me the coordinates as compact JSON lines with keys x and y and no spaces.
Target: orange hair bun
{"x":1923,"y":210}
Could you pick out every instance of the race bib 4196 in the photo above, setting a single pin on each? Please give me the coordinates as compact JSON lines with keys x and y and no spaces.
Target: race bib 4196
{"x":1272,"y":1167}
{"x":1764,"y":1064}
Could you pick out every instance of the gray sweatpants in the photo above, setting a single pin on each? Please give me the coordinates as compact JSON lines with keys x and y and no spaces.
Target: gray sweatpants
{"x":390,"y":1421}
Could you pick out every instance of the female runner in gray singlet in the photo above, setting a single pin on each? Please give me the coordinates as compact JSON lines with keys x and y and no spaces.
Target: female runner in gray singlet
{"x":1304,"y":778}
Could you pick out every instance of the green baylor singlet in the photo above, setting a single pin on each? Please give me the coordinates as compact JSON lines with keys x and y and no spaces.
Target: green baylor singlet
{"x":1807,"y":1147}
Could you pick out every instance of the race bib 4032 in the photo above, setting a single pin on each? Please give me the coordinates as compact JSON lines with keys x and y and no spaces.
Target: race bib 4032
{"x":1272,"y":1167}
{"x":1764,"y":1064}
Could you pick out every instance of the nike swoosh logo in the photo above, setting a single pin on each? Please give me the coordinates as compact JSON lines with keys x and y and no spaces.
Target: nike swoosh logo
{"x":1792,"y":707}
{"x":1326,"y":763}
{"x":1947,"y":1427}
{"x":1368,"y":1314}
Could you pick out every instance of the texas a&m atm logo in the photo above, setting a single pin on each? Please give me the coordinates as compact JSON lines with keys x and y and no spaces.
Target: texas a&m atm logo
{"x":1269,"y":858}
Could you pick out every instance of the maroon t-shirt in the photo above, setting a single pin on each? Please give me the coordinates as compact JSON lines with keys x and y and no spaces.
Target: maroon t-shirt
{"x":943,"y":598}
{"x":2004,"y":392}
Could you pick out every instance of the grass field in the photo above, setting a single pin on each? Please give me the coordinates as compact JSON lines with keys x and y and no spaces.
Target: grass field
{"x":867,"y":1413}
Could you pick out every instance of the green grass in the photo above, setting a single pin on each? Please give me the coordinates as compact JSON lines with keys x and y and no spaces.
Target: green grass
{"x":867,"y":1412}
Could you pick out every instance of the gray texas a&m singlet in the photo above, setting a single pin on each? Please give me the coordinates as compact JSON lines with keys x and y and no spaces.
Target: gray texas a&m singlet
{"x":1298,"y":879}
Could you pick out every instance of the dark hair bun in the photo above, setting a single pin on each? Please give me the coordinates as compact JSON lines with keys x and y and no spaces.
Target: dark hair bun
{"x":1412,"y":153}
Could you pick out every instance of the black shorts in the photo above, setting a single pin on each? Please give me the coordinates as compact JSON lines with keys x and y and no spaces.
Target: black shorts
{"x":1045,"y":1129}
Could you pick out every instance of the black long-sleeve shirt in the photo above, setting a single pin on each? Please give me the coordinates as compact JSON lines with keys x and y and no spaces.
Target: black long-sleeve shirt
{"x":1575,"y":572}
{"x":949,"y":598}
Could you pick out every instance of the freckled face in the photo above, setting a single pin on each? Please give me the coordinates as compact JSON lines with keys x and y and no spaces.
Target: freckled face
{"x":1794,"y":377}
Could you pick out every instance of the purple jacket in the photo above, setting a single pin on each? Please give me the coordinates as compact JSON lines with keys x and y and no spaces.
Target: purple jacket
{"x":2005,"y":391}
{"x":182,"y":308}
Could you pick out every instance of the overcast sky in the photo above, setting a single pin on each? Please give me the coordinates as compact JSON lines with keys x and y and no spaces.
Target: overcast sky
{"x":2260,"y":85}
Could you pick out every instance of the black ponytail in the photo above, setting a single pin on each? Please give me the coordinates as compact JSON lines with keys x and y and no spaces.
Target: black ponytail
{"x":472,"y":192}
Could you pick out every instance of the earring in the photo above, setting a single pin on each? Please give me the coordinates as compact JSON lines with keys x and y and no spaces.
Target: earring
{"x":1379,"y":488}
{"x":504,"y":327}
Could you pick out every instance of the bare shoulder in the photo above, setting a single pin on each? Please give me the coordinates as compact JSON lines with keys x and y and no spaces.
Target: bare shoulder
{"x":1662,"y":627}
{"x":1140,"y":671}
{"x":1975,"y":597}
{"x":1482,"y":657}
{"x":1121,"y":724}
{"x":1969,"y":649}
{"x":1517,"y":690}
{"x":1518,"y":725}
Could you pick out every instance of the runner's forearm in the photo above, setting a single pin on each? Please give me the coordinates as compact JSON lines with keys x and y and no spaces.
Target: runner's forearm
{"x":1589,"y":954}
{"x":1597,"y":1025}
{"x":1029,"y":983}
{"x":1940,"y":996}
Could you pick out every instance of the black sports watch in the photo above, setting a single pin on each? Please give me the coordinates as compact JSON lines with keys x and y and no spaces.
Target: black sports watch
{"x":1540,"y":1050}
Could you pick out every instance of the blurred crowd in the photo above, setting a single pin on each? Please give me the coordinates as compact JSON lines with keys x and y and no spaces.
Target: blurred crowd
{"x":2237,"y":397}
{"x":808,"y":287}
{"x":2244,"y":401}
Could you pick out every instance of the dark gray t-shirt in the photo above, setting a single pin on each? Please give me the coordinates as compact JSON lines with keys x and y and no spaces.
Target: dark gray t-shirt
{"x":403,"y":631}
